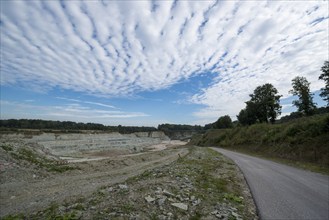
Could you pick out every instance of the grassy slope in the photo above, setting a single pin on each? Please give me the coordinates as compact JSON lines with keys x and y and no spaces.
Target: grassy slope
{"x":303,"y":140}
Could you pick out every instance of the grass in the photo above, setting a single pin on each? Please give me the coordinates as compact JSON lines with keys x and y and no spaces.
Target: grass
{"x":51,"y":213}
{"x":297,"y":164}
{"x":128,"y":208}
{"x":303,"y":142}
{"x":7,"y":147}
{"x":42,"y":162}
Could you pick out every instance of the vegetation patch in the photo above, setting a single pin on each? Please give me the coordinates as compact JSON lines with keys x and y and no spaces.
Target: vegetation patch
{"x":29,"y":155}
{"x":301,"y":141}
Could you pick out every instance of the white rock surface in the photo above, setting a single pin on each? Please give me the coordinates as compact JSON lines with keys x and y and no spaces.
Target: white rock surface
{"x":149,"y":199}
{"x":180,"y":205}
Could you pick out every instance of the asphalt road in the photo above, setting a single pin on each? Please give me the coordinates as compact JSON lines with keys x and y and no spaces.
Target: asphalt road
{"x":281,"y":191}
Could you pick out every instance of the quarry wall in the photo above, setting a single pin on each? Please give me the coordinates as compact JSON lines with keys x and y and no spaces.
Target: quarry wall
{"x":75,"y":144}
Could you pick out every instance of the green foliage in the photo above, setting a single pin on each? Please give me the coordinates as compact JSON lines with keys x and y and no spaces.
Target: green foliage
{"x":233,"y":198}
{"x":14,"y":217}
{"x":246,"y":116}
{"x":7,"y":147}
{"x":325,"y":76}
{"x":33,"y":158}
{"x":223,"y":122}
{"x":301,"y":88}
{"x":178,"y":127}
{"x":196,"y":216}
{"x":263,"y":106}
{"x":68,"y":126}
{"x":304,"y":139}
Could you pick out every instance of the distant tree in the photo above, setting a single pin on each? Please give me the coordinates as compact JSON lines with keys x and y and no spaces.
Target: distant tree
{"x":224,"y":122}
{"x":301,"y":88}
{"x":264,"y":105}
{"x":208,"y":126}
{"x":325,"y":76}
{"x":246,"y":117}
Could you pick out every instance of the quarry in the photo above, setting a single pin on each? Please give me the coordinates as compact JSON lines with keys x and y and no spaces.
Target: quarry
{"x":142,"y":175}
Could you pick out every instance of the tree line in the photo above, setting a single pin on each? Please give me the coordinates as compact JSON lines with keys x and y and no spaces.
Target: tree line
{"x":69,"y":126}
{"x":179,"y":127}
{"x":264,"y":104}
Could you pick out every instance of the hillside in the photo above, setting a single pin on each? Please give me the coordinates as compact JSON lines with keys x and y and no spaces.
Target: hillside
{"x":305,"y":139}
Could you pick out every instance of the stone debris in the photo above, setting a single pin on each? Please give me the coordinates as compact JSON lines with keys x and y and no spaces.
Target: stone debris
{"x":158,"y":191}
{"x":168,"y":193}
{"x":149,"y":199}
{"x":180,"y":205}
{"x":196,"y":202}
{"x":225,"y":211}
{"x":162,"y":200}
{"x":123,"y":186}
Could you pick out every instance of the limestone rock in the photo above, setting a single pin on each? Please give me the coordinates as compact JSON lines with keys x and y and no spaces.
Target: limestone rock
{"x":149,"y":199}
{"x":168,"y":193}
{"x":162,"y":200}
{"x":123,"y":186}
{"x":180,"y":205}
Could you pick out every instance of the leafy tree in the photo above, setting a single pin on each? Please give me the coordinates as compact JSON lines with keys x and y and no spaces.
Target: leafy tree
{"x":301,"y":88}
{"x":246,"y":117}
{"x":325,"y":76}
{"x":264,"y":105}
{"x":208,"y":126}
{"x":224,"y":122}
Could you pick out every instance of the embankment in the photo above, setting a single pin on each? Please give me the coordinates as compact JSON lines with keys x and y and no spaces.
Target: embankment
{"x":304,"y":139}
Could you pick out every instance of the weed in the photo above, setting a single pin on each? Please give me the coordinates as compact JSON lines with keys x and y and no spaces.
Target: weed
{"x":31,"y":157}
{"x":196,"y":216}
{"x":127,"y":208}
{"x":153,"y":216}
{"x":14,"y":217}
{"x":7,"y":147}
{"x":80,"y":207}
{"x":233,"y":198}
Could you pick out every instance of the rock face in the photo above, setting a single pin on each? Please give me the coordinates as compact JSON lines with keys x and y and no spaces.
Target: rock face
{"x":76,"y":144}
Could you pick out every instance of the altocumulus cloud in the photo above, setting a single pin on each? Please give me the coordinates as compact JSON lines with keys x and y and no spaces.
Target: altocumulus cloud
{"x":120,"y":48}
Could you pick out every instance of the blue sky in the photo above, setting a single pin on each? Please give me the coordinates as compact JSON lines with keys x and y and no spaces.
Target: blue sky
{"x":152,"y":62}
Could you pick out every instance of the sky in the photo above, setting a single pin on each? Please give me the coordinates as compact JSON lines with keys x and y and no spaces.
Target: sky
{"x":145,"y":63}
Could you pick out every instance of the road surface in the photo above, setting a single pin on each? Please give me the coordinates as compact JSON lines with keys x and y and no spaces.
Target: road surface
{"x":283,"y":192}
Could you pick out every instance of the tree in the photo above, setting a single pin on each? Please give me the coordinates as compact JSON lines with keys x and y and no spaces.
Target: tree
{"x":246,"y":117}
{"x":301,"y":88}
{"x":325,"y":76}
{"x":264,"y":105}
{"x":224,"y":122}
